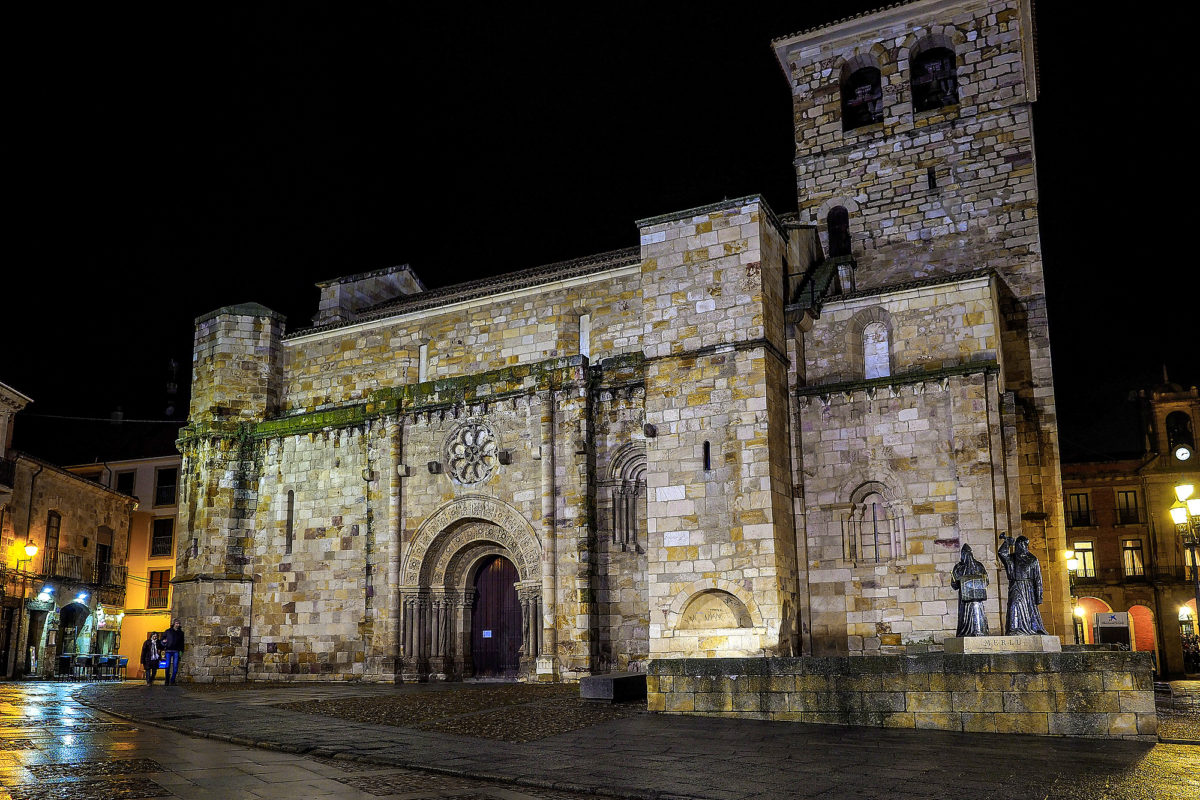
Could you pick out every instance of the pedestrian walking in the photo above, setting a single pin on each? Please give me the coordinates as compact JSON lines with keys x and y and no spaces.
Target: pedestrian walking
{"x":172,"y":645}
{"x":150,"y":656}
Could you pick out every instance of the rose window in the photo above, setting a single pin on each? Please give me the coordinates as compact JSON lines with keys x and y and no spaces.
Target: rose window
{"x":471,"y":452}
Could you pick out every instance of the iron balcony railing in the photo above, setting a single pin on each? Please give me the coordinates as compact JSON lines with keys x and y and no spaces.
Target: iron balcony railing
{"x":109,"y":575}
{"x":1131,"y":516}
{"x":1077,"y":518}
{"x":64,"y":565}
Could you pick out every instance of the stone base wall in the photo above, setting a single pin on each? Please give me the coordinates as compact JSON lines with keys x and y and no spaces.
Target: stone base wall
{"x":1108,"y":695}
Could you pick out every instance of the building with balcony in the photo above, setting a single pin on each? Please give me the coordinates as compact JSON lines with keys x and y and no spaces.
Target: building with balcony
{"x":1133,"y":584}
{"x":154,"y":483}
{"x":63,"y":544}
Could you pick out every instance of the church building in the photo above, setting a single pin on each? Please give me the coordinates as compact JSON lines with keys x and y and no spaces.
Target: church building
{"x":753,"y":433}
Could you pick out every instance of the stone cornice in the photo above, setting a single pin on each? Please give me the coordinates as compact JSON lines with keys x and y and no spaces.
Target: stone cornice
{"x":485,"y":387}
{"x":907,"y":379}
{"x":724,"y":205}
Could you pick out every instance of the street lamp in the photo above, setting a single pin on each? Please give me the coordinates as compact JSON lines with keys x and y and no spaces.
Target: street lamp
{"x":30,"y":550}
{"x":1072,"y":567}
{"x":1080,"y":611}
{"x":1185,"y":513}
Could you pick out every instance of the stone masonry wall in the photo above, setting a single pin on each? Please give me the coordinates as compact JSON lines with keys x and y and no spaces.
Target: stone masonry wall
{"x":1106,"y":695}
{"x":621,"y":589}
{"x":949,"y":190}
{"x":964,"y":330}
{"x":345,"y":365}
{"x":983,"y":209}
{"x":927,"y":449}
{"x":925,"y":437}
{"x":712,"y":282}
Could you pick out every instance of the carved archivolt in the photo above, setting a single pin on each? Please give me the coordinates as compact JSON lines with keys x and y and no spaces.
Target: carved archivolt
{"x":459,"y":524}
{"x":472,"y":454}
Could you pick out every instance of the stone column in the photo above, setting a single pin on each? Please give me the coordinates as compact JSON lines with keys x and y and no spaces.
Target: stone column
{"x":548,"y":622}
{"x":463,"y":660}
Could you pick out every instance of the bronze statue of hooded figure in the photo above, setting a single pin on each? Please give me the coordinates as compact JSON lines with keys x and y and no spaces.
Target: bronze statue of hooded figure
{"x":970,"y":579}
{"x":1024,"y":588}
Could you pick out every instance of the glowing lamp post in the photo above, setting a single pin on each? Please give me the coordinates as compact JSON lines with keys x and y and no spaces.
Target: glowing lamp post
{"x":30,"y":549}
{"x":1072,"y":566}
{"x":1185,"y":513}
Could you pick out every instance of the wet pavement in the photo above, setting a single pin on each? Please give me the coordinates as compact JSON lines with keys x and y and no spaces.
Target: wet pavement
{"x":258,"y":742}
{"x":54,"y":748}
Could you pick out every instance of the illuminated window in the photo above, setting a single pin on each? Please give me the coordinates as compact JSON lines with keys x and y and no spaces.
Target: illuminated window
{"x":159,"y":592}
{"x":1087,"y":559}
{"x":876,"y":358}
{"x":1131,"y":556}
{"x":585,"y":335}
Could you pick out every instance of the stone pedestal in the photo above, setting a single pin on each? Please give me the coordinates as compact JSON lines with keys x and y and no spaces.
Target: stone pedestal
{"x":961,"y":645}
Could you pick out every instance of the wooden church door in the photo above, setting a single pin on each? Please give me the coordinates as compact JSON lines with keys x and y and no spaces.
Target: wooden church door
{"x":496,"y":621}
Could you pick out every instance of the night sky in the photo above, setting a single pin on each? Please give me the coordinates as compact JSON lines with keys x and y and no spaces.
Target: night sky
{"x":170,"y":160}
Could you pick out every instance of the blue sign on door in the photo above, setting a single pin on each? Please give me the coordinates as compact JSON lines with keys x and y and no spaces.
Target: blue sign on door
{"x":487,"y":634}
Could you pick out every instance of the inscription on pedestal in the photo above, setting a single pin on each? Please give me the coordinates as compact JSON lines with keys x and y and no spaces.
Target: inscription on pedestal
{"x":959,"y":645}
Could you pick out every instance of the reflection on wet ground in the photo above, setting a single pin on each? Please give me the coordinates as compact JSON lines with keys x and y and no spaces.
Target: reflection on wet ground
{"x":53,"y":748}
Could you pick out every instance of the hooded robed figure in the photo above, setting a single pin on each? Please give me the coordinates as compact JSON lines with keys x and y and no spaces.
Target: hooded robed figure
{"x":1024,"y":588}
{"x":970,"y":579}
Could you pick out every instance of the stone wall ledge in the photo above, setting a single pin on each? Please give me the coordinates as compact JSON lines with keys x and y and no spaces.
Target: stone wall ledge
{"x":1091,"y":694}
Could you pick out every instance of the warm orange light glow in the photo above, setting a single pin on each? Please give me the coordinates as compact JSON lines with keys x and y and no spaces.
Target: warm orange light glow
{"x":31,"y":549}
{"x":1080,"y":611}
{"x":1184,"y":490}
{"x":1072,"y":564}
{"x":1068,"y":555}
{"x":1179,"y":513}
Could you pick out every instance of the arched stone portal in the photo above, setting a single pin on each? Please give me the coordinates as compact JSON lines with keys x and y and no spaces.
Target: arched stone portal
{"x":439,"y":573}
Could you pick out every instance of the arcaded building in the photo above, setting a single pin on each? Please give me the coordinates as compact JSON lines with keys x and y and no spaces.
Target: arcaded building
{"x":753,"y":433}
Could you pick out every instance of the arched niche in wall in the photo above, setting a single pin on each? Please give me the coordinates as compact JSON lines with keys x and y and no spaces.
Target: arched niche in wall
{"x":714,"y":609}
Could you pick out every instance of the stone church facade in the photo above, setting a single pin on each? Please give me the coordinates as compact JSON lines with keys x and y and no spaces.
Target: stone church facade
{"x":752,"y":434}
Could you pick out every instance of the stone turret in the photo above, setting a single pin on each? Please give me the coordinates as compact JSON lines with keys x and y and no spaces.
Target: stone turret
{"x":236,"y":380}
{"x":236,"y":365}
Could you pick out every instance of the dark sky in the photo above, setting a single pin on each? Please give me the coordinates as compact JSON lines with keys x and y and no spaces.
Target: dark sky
{"x":170,"y":160}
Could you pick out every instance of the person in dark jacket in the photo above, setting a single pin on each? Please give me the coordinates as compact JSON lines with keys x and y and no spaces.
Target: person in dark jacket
{"x":150,"y":656}
{"x":172,"y":645}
